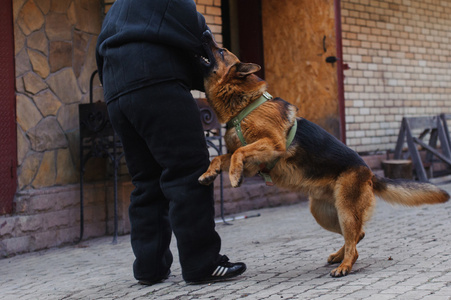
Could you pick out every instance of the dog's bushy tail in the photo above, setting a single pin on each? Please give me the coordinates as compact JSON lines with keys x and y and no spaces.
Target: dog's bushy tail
{"x":409,"y":193}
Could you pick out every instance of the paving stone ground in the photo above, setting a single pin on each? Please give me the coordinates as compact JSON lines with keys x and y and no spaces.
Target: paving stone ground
{"x":406,"y":254}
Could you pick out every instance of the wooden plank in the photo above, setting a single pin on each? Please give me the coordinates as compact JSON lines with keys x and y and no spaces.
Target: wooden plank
{"x":298,"y":36}
{"x":401,"y":138}
{"x":432,"y":150}
{"x":418,"y":164}
{"x":437,"y":127}
{"x":444,"y":137}
{"x":444,"y":118}
{"x":422,"y":122}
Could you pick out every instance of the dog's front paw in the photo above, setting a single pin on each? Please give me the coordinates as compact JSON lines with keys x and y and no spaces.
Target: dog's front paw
{"x":236,"y":180}
{"x":236,"y":171}
{"x":207,"y":178}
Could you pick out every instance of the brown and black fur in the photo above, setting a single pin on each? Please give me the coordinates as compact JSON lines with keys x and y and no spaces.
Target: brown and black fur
{"x":340,"y":186}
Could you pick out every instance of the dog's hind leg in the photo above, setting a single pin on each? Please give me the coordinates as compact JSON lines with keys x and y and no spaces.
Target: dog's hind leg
{"x":351,"y":227}
{"x":354,"y":200}
{"x":326,"y":215}
{"x":338,"y":256}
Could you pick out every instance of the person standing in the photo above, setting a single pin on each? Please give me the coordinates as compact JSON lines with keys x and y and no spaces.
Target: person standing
{"x":148,"y":61}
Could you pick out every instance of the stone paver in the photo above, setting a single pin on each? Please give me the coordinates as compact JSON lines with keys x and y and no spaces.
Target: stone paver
{"x":406,"y":254}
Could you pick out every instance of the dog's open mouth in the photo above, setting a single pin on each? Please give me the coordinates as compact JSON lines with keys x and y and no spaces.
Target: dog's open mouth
{"x":207,"y":41}
{"x":205,"y":61}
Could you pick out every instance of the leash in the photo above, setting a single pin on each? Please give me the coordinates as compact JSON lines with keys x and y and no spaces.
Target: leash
{"x":236,"y":122}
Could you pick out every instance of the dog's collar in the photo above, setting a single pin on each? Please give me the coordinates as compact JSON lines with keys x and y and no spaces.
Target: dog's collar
{"x":236,"y":122}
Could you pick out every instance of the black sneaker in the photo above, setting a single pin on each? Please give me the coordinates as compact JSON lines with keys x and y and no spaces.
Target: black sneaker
{"x":224,"y":271}
{"x":152,"y":282}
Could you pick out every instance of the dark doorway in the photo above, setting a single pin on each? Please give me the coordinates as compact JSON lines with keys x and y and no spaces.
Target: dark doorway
{"x":298,"y":45}
{"x":242,"y":30}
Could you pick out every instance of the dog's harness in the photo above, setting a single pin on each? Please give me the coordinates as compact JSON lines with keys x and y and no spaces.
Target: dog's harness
{"x":236,"y":122}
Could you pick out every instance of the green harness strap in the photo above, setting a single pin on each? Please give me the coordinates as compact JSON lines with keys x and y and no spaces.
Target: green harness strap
{"x":268,"y":167}
{"x":236,"y":122}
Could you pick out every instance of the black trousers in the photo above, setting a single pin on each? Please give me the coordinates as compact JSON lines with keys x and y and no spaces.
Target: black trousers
{"x":166,"y":152}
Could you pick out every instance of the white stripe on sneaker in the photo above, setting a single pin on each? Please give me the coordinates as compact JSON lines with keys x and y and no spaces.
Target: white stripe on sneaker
{"x":224,"y":272}
{"x":220,"y":271}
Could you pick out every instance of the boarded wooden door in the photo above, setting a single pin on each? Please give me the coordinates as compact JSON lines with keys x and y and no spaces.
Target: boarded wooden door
{"x":8,"y":147}
{"x":298,"y":36}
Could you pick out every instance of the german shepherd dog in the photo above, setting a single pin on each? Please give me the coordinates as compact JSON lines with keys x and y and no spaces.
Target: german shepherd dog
{"x":340,"y":186}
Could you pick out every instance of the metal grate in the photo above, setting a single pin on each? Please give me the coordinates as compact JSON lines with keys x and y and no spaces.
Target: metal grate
{"x":97,"y":139}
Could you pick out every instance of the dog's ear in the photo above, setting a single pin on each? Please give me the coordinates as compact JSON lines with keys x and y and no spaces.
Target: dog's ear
{"x":245,"y":69}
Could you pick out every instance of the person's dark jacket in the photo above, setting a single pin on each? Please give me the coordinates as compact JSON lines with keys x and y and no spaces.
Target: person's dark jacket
{"x":143,"y":42}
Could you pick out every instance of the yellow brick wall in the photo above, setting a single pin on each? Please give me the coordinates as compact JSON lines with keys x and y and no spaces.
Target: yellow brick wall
{"x":400,"y":59}
{"x":211,"y":9}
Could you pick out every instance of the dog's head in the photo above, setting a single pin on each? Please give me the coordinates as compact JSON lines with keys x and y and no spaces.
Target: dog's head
{"x":229,"y":83}
{"x":223,"y":66}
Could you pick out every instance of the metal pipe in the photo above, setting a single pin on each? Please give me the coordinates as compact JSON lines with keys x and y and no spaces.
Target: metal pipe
{"x":236,"y":218}
{"x":340,"y":77}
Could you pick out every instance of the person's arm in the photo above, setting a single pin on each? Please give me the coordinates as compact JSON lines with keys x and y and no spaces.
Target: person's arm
{"x":183,"y":27}
{"x":198,"y":80}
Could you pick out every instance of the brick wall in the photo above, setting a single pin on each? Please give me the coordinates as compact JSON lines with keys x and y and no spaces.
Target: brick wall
{"x":400,"y":58}
{"x":51,"y":217}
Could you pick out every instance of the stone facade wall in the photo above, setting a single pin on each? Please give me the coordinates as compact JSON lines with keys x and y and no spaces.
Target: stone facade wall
{"x":400,"y":58}
{"x":54,"y":48}
{"x":54,"y":57}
